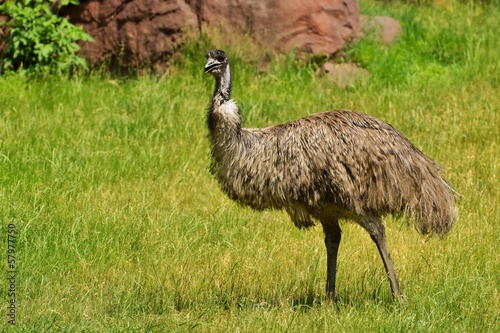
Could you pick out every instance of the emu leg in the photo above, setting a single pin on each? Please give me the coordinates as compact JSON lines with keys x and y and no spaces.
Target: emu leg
{"x":377,"y":233}
{"x":333,"y":235}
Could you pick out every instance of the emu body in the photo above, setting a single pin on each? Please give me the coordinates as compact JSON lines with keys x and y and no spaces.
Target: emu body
{"x":328,"y":166}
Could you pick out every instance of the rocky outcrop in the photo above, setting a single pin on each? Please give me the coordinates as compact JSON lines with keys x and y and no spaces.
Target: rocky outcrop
{"x":316,"y":26}
{"x":139,"y":32}
{"x":3,"y":32}
{"x":131,"y":32}
{"x":382,"y":29}
{"x":344,"y":75}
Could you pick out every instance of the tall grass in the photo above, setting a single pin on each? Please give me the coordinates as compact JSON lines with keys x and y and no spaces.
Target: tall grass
{"x":122,"y":228}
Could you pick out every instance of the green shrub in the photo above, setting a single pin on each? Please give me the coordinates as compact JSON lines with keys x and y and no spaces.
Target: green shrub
{"x":39,"y":41}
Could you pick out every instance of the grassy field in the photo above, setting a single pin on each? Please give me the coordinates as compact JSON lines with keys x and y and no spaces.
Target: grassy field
{"x":121,"y":228}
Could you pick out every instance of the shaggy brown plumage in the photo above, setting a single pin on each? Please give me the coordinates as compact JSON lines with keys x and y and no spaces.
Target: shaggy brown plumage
{"x":328,"y":166}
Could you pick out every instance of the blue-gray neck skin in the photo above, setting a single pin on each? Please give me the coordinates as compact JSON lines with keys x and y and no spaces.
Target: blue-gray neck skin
{"x":224,"y":117}
{"x":222,"y":91}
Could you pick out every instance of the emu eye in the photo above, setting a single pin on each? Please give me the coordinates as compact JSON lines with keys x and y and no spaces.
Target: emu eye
{"x":220,"y":59}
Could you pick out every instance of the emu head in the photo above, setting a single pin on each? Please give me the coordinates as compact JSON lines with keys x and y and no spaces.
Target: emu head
{"x":216,"y":62}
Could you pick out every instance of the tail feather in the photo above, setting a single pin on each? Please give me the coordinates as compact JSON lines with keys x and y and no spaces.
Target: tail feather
{"x":434,"y":212}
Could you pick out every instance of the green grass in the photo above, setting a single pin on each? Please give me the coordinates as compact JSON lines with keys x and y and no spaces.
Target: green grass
{"x":121,"y":227}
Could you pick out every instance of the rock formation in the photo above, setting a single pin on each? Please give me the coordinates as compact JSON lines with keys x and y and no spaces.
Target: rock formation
{"x":131,"y":32}
{"x":382,"y":29}
{"x":142,"y":32}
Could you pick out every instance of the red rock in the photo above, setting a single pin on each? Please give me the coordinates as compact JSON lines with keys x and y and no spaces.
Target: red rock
{"x":3,"y":33}
{"x":344,"y":75}
{"x":318,"y":26}
{"x":383,"y":29}
{"x":139,"y":32}
{"x":131,"y":32}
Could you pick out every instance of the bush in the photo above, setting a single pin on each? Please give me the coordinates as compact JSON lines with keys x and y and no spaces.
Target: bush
{"x":38,"y":40}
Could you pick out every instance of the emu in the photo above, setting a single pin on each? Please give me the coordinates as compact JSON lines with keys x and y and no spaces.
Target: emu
{"x":329,"y":166}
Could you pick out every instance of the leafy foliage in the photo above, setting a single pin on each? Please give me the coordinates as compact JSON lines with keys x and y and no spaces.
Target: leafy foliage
{"x":40,"y":41}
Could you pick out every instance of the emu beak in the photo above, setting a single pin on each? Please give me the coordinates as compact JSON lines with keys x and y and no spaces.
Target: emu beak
{"x":211,"y":64}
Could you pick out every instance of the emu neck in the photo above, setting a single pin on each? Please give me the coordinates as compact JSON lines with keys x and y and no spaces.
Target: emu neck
{"x":224,"y":116}
{"x":222,"y":91}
